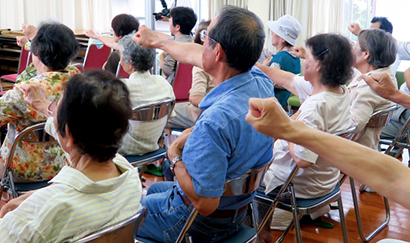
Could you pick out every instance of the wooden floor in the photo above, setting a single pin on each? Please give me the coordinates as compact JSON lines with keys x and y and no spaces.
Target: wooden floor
{"x":372,"y":211}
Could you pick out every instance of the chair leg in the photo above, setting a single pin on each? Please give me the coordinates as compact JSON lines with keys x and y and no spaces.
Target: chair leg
{"x":295,"y":214}
{"x":142,"y":170}
{"x":285,"y":233}
{"x":342,"y":220}
{"x":358,"y":218}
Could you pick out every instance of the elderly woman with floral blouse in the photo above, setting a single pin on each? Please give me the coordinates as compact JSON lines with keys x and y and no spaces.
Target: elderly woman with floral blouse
{"x":53,"y":47}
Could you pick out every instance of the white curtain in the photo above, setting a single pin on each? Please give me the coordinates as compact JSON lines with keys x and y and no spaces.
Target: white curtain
{"x":215,"y":6}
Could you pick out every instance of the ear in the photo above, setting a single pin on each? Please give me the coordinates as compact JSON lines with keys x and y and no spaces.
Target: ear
{"x":177,"y":27}
{"x":219,"y":53}
{"x":70,"y":138}
{"x":366,"y":54}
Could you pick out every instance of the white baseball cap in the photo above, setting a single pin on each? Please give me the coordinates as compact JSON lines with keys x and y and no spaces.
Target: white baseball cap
{"x":286,"y":27}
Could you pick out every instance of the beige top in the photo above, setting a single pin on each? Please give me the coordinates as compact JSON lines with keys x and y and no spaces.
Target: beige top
{"x":363,"y":103}
{"x":202,"y":83}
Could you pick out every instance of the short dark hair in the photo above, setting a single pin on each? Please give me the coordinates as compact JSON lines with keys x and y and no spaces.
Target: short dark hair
{"x":335,"y":57}
{"x":381,"y":46}
{"x":123,"y":24}
{"x":96,"y":108}
{"x":202,"y":26}
{"x":141,"y":58}
{"x":55,"y":45}
{"x":184,"y":17}
{"x":385,"y":24}
{"x":241,"y":35}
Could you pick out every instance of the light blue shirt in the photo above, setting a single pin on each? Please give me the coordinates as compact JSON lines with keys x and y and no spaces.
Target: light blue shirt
{"x":223,"y":145}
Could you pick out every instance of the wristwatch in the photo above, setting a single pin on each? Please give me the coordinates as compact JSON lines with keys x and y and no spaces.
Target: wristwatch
{"x":173,"y":163}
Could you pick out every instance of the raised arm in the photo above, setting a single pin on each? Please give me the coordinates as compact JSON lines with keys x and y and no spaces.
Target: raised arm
{"x":108,"y":41}
{"x":383,"y":173}
{"x":383,"y":86}
{"x":280,"y":77}
{"x":188,"y":53}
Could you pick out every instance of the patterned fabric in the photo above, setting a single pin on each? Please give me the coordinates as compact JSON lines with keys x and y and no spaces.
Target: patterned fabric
{"x":27,"y":74}
{"x":74,"y":206}
{"x":29,"y":162}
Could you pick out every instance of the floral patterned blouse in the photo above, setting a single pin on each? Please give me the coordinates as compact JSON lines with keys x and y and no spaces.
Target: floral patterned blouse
{"x":30,"y":162}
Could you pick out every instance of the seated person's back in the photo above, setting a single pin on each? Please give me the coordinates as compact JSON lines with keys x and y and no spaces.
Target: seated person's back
{"x":144,"y":89}
{"x":88,"y":194}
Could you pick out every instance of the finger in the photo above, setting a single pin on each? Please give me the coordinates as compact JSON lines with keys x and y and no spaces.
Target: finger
{"x":255,"y":107}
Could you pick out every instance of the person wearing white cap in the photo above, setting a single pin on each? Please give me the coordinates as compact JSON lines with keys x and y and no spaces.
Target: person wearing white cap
{"x":285,"y":31}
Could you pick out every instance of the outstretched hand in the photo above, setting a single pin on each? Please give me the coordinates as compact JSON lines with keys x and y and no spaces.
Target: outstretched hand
{"x":354,"y":28}
{"x":299,"y":51}
{"x":29,"y":31}
{"x":268,"y":117}
{"x":35,"y":96}
{"x":91,"y":34}
{"x":381,"y":84}
{"x":146,"y":37}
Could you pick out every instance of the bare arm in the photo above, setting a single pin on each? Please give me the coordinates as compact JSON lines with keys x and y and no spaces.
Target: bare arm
{"x":407,"y":77}
{"x":108,"y":41}
{"x":188,"y":53}
{"x":14,"y":203}
{"x":195,"y":99}
{"x":383,"y":86}
{"x":204,"y":205}
{"x":302,"y":163}
{"x":354,"y":28}
{"x":383,"y":173}
{"x":280,"y":77}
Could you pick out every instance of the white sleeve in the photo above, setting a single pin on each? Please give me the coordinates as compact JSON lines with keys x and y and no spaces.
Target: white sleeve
{"x":403,"y":50}
{"x":303,"y":87}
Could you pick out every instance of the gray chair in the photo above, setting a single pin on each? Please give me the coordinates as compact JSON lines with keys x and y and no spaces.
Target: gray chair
{"x":124,"y":231}
{"x":33,"y":134}
{"x":245,"y":184}
{"x":378,"y":119}
{"x":150,"y":112}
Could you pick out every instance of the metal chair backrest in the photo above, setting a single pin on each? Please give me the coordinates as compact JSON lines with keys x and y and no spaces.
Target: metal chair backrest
{"x":382,"y":117}
{"x":120,"y":73}
{"x":34,"y":133}
{"x":242,"y":185}
{"x":124,"y":231}
{"x":153,"y":111}
{"x":182,"y":82}
{"x":348,"y":134}
{"x":95,"y":57}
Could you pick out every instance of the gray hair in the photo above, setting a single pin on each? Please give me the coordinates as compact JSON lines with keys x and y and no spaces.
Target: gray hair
{"x":141,"y":58}
{"x":381,"y":46}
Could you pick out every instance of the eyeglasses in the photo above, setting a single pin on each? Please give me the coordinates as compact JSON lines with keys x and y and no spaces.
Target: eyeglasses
{"x":52,"y":109}
{"x":203,"y":34}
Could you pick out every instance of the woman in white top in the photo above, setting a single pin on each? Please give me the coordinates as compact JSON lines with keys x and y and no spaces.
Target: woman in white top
{"x":325,"y":106}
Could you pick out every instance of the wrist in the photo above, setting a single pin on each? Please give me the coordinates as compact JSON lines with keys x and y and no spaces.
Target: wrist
{"x":41,"y":106}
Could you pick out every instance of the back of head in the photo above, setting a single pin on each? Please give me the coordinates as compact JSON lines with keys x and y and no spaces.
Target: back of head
{"x":381,"y":46}
{"x":202,"y":26}
{"x":55,"y":45}
{"x":241,"y":35}
{"x":141,"y":58}
{"x":385,"y":24}
{"x":184,"y":17}
{"x":123,"y":24}
{"x":96,"y":108}
{"x":335,"y":56}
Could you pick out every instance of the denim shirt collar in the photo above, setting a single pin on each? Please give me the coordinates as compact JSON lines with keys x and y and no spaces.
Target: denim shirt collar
{"x":225,"y":87}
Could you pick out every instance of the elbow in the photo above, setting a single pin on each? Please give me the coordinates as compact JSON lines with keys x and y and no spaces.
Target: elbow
{"x":206,"y":207}
{"x":302,"y":163}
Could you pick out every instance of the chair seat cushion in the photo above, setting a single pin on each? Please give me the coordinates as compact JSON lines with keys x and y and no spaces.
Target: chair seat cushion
{"x":25,"y":187}
{"x":244,"y":234}
{"x":148,"y":157}
{"x":10,"y":77}
{"x":294,"y":101}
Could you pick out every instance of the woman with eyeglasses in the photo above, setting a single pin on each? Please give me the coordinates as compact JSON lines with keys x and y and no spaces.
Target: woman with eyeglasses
{"x":325,"y":106}
{"x":202,"y":83}
{"x":99,"y":188}
{"x":53,"y":47}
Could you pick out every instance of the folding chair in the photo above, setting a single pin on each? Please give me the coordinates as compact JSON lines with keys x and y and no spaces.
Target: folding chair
{"x":34,"y":133}
{"x":245,"y":184}
{"x":301,"y":207}
{"x":25,"y":58}
{"x":124,"y":231}
{"x":95,"y":56}
{"x":182,"y":82}
{"x":401,"y":141}
{"x":150,"y":112}
{"x":378,"y":119}
{"x":120,"y":73}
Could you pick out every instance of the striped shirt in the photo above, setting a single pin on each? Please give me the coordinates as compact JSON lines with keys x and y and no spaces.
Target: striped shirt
{"x":74,"y":206}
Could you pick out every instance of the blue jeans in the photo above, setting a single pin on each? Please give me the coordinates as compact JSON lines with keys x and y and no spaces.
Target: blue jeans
{"x":167,"y":214}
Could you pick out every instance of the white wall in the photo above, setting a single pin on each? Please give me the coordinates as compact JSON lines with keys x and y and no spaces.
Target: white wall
{"x":261,"y":9}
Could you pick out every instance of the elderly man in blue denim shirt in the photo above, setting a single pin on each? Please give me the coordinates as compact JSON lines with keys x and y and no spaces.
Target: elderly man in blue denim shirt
{"x":222,"y":145}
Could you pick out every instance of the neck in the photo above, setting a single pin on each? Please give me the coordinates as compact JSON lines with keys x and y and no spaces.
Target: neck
{"x":318,"y":87}
{"x":94,"y":170}
{"x":178,"y":34}
{"x":224,"y":73}
{"x":365,"y":68}
{"x":42,"y":69}
{"x":282,"y":48}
